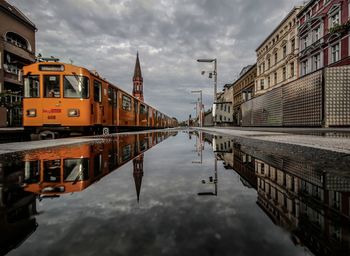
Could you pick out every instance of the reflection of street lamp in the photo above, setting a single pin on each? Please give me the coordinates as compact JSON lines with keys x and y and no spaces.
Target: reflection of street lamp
{"x":212,"y":181}
{"x":200,"y":107}
{"x":199,"y":148}
{"x":215,"y":73}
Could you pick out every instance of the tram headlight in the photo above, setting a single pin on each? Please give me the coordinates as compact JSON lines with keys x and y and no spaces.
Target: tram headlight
{"x":73,"y":112}
{"x":31,"y":112}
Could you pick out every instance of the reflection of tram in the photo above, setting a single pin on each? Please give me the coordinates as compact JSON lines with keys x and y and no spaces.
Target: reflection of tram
{"x":74,"y":168}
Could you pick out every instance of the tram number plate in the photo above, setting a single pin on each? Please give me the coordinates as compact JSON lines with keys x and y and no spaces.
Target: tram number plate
{"x":51,"y":117}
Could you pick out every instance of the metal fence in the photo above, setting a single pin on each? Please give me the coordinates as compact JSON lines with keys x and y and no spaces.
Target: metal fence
{"x":319,"y":99}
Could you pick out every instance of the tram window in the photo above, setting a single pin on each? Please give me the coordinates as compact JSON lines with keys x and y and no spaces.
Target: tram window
{"x":52,"y":170}
{"x":135,"y":106}
{"x":143,"y":109}
{"x":32,"y":171}
{"x":110,"y":95}
{"x":126,"y":103}
{"x":76,"y":87}
{"x":76,"y":169}
{"x":31,"y":87}
{"x":115,"y":99}
{"x":97,"y":91}
{"x":52,"y":86}
{"x":126,"y":152}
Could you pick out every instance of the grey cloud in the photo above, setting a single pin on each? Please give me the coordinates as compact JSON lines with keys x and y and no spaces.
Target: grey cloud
{"x":170,"y":35}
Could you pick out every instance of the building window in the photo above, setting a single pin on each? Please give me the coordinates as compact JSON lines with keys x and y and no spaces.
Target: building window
{"x":335,"y":53}
{"x":284,"y":51}
{"x":304,"y":67}
{"x":316,"y":61}
{"x":284,"y":70}
{"x":293,"y":45}
{"x":262,"y":84}
{"x":317,"y":33}
{"x":292,"y":69}
{"x":276,"y":58}
{"x":17,"y":40}
{"x":268,"y":81}
{"x":269,"y":63}
{"x":275,"y":77}
{"x":334,"y":19}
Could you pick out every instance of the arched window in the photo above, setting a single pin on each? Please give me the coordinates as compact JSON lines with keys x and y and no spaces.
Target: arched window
{"x":18,"y":40}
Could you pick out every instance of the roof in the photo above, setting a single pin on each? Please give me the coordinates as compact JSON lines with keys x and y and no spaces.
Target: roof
{"x":244,"y":71}
{"x":14,"y":11}
{"x":137,"y":71}
{"x":306,"y":7}
{"x":279,"y":25}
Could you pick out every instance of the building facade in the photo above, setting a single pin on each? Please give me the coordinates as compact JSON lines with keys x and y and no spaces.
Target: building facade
{"x":243,"y":90}
{"x":17,"y":48}
{"x":223,"y":113}
{"x":324,"y":35}
{"x":277,"y":55}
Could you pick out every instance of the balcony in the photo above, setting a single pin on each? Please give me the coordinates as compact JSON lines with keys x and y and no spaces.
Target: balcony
{"x":20,"y":52}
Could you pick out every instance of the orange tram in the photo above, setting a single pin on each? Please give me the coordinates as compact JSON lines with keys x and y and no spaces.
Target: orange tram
{"x":64,"y":98}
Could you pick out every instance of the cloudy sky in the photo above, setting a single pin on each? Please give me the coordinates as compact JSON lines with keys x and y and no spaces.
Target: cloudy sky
{"x":169,"y":34}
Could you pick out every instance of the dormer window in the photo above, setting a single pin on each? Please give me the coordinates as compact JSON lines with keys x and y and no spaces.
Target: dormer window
{"x":17,"y":40}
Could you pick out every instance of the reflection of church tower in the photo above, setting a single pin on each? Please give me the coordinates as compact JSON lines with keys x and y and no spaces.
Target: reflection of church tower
{"x":138,"y":173}
{"x":137,"y":80}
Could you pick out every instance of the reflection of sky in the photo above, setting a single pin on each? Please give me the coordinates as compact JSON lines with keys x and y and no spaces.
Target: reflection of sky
{"x":105,"y":218}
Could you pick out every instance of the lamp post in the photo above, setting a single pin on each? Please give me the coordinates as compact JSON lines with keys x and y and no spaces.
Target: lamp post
{"x":200,"y":107}
{"x":215,"y":73}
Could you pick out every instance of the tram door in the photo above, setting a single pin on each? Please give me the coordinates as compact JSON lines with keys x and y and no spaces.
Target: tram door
{"x":52,"y":103}
{"x":112,"y":105}
{"x":98,"y":107}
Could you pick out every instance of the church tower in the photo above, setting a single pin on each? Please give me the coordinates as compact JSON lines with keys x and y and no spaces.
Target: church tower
{"x":137,"y":80}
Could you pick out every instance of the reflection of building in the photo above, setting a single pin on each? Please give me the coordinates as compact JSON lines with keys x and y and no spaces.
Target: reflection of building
{"x":314,"y":206}
{"x":17,"y":207}
{"x":17,"y":48}
{"x":236,"y":159}
{"x":138,"y":174}
{"x":308,"y":203}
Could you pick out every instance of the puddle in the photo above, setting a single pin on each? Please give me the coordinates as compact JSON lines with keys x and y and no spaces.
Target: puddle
{"x":172,"y":193}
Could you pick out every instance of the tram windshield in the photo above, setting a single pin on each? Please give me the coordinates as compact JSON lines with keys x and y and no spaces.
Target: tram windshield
{"x":31,"y":87}
{"x":52,"y":86}
{"x":76,"y":87}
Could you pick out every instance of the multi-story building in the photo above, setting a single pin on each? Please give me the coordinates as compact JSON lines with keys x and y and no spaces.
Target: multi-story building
{"x":17,"y":48}
{"x":243,"y":90}
{"x":323,"y":34}
{"x":223,"y":110}
{"x":277,"y":55}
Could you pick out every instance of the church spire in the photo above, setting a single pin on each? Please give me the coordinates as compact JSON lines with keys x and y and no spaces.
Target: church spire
{"x":137,"y":80}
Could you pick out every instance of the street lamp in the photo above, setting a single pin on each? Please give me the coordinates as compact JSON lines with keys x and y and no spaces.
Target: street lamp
{"x":215,"y":82}
{"x":200,"y":107}
{"x":214,"y":72}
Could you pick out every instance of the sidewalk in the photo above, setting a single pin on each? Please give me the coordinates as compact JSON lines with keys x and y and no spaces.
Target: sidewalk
{"x":339,"y":140}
